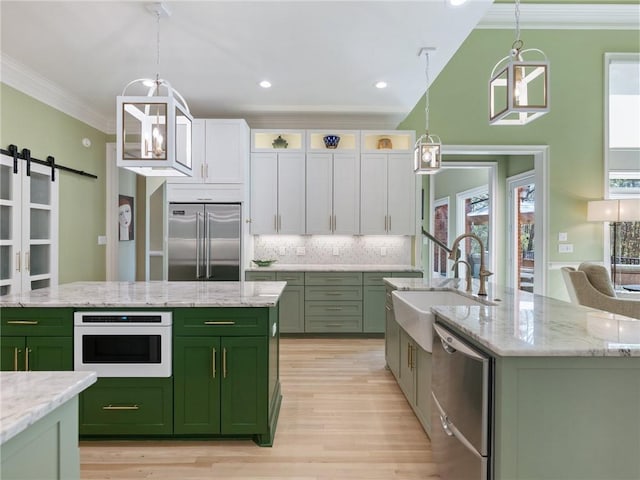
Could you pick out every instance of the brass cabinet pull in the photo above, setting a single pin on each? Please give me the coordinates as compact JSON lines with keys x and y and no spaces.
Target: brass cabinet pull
{"x":224,"y":363}
{"x":388,"y":307}
{"x":27,"y":351}
{"x":18,"y":262}
{"x":333,"y":294}
{"x":213,"y":362}
{"x":16,"y":351}
{"x":27,"y":261}
{"x":408,"y":355}
{"x":22,"y":322}
{"x":224,"y":322}
{"x":121,"y":407}
{"x":334,"y":309}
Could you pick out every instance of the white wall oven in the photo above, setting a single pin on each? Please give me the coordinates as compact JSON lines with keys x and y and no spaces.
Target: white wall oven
{"x":123,"y":344}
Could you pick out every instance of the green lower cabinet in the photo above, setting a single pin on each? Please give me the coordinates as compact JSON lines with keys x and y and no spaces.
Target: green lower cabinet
{"x":221,"y":385}
{"x":292,"y":310}
{"x":374,"y":309}
{"x":392,"y":344}
{"x":36,"y":354}
{"x":127,"y":406}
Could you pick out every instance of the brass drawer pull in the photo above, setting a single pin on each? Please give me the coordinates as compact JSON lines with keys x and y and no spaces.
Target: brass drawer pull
{"x":334,"y":309}
{"x":22,"y":322}
{"x":226,"y":322}
{"x":16,"y":351}
{"x":27,"y":351}
{"x":121,"y":407}
{"x":333,"y":294}
{"x":224,"y":363}
{"x":388,"y":307}
{"x":213,"y":362}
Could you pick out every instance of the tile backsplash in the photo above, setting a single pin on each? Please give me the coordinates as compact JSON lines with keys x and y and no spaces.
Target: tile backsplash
{"x":334,"y":249}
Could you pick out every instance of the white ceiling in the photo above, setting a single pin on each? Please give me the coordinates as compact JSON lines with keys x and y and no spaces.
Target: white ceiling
{"x":322,"y":57}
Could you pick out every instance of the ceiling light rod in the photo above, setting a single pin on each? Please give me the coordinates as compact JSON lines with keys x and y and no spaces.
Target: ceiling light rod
{"x":427,"y":153}
{"x":519,"y":91}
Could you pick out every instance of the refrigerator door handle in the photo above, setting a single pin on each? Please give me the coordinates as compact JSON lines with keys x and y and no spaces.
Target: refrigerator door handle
{"x":207,"y":245}
{"x":198,"y":245}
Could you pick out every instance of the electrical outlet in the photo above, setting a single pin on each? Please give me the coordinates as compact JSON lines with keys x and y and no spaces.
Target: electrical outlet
{"x":562,"y":237}
{"x":336,"y":251}
{"x":565,"y":248}
{"x":102,"y":239}
{"x":300,"y":251}
{"x":383,"y":251}
{"x":282,"y":251}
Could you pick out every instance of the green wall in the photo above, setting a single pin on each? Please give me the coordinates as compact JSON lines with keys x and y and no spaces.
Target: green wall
{"x":28,"y":123}
{"x":573,"y":129}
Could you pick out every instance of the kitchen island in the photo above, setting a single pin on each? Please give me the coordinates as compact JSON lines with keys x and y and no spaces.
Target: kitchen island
{"x":564,"y":384}
{"x":39,"y":424}
{"x":223,"y":361}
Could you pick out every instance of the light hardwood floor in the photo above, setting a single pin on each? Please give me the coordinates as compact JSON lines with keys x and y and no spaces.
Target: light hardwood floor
{"x":342,"y":417}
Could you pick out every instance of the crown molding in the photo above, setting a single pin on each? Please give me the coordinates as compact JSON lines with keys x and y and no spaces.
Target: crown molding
{"x":563,"y":17}
{"x":25,"y":80}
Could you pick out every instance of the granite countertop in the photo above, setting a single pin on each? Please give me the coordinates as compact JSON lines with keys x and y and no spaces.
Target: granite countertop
{"x":26,"y":397}
{"x":524,"y":324}
{"x":303,"y":267}
{"x":151,"y":294}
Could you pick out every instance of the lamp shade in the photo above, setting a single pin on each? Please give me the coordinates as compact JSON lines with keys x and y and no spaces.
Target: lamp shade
{"x":624,"y":210}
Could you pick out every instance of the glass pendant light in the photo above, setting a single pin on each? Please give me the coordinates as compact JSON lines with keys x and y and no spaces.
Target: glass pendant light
{"x":154,"y":129}
{"x":519,"y":88}
{"x":427,"y":153}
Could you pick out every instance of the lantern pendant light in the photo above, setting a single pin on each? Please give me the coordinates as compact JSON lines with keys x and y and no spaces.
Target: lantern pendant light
{"x":427,"y":153}
{"x":519,"y":88}
{"x":153,"y":136}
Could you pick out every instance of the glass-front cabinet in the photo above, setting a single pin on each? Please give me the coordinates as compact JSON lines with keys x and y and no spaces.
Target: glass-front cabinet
{"x":28,"y":227}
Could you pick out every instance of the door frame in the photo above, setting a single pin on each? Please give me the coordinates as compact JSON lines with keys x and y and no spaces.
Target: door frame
{"x":541,"y":158}
{"x":519,"y":180}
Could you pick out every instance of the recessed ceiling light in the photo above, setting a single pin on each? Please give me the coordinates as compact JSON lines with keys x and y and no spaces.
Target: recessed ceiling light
{"x":381,"y":84}
{"x":265,"y":84}
{"x":456,"y":3}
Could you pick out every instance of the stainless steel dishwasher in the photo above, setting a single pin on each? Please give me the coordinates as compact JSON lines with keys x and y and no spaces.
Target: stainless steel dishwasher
{"x":461,"y":388}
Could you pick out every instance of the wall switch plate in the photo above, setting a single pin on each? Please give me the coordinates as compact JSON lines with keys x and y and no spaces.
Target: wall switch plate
{"x":282,"y":251}
{"x":300,"y":251}
{"x":562,"y":237}
{"x":565,"y":248}
{"x":102,"y":239}
{"x":336,"y":251}
{"x":383,"y":251}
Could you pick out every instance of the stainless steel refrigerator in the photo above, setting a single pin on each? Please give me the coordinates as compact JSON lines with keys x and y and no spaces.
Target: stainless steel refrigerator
{"x":204,"y":241}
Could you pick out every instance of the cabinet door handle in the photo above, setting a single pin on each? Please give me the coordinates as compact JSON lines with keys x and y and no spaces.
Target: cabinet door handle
{"x":388,"y":307}
{"x":334,"y":309}
{"x":224,"y":363}
{"x":16,"y":351}
{"x":27,"y":351}
{"x":206,"y":170}
{"x":279,"y":222}
{"x":389,"y":223}
{"x":17,"y":261}
{"x":224,"y":322}
{"x":121,"y":407}
{"x":413,"y":357}
{"x":333,"y":294}
{"x":27,"y":261}
{"x":213,"y":362}
{"x":330,"y":223}
{"x":334,"y":223}
{"x":22,"y":322}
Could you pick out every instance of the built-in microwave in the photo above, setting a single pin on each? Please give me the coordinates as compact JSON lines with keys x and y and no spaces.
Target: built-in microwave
{"x":123,"y":344}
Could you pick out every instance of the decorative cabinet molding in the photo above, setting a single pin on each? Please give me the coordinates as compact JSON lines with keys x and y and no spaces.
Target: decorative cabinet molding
{"x":29,"y":227}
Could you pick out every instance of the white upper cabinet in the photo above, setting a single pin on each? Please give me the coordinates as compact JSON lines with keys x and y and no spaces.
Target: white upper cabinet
{"x":29,"y":227}
{"x":333,"y":182}
{"x":220,"y":152}
{"x":388,"y":184}
{"x":277,"y":182}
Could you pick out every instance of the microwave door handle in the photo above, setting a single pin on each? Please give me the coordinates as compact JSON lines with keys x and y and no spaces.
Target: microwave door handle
{"x":451,"y":344}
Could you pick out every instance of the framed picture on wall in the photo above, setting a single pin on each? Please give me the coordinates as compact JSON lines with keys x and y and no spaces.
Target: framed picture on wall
{"x":125,"y":218}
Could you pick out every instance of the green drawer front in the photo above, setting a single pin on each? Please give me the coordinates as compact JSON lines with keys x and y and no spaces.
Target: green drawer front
{"x":338,"y":308}
{"x":221,"y":321}
{"x":37,"y":321}
{"x":333,"y":293}
{"x":127,"y":406}
{"x":292,"y":278}
{"x":374,"y":278}
{"x":333,"y":324}
{"x":260,"y":276}
{"x":407,"y":274}
{"x":332,"y":278}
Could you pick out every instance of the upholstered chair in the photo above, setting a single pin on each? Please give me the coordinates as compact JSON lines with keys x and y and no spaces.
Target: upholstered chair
{"x":590,"y":286}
